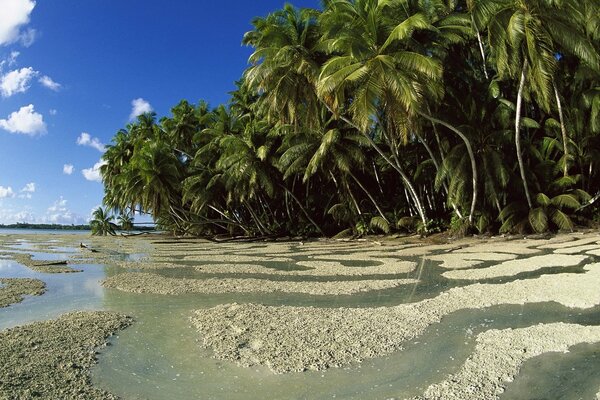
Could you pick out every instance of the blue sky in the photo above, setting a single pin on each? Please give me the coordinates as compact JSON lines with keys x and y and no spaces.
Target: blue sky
{"x":73,"y":72}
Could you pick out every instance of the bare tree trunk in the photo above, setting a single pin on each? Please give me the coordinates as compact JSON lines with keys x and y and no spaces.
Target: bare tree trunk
{"x":518,"y":134}
{"x":563,"y":130}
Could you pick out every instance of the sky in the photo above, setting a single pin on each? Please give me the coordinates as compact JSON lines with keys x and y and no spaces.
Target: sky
{"x":73,"y":72}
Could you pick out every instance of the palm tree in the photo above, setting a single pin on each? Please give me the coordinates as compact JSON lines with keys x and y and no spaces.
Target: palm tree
{"x":125,"y":222}
{"x":524,"y":38}
{"x":101,"y":223}
{"x":375,"y":74}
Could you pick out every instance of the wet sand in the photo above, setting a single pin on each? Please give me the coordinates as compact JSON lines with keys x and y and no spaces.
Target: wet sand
{"x":52,"y":359}
{"x":499,"y":355}
{"x":14,"y":290}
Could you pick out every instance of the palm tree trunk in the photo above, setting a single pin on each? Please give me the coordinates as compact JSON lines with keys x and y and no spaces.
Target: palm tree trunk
{"x":563,"y":130}
{"x":397,"y":167}
{"x":481,"y":50}
{"x":518,"y":134}
{"x":353,"y":198}
{"x":437,"y":169}
{"x":364,"y":189}
{"x":303,"y":209}
{"x":471,"y":156}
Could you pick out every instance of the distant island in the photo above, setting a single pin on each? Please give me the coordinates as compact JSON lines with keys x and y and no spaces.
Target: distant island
{"x":22,"y":225}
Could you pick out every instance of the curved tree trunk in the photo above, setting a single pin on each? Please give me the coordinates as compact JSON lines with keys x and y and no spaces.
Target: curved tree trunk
{"x":437,"y":168}
{"x":471,"y":156}
{"x":407,"y":183}
{"x":364,"y":189}
{"x":563,"y":130}
{"x":303,"y":209}
{"x":518,"y":134}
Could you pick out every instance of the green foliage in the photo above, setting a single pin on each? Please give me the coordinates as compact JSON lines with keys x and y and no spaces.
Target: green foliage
{"x":101,"y":223}
{"x":366,"y":110}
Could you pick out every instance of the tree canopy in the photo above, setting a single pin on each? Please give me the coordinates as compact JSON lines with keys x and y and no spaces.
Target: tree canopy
{"x":383,"y":115}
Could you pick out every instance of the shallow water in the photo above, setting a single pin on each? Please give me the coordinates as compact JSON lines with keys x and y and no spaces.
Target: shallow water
{"x":160,"y":357}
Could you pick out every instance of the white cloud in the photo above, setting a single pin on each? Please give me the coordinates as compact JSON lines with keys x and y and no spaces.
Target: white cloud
{"x":93,"y":173}
{"x":15,"y":13}
{"x":85,"y":139}
{"x":26,"y":192}
{"x":28,"y":37}
{"x":29,"y":188}
{"x":139,"y":107}
{"x":47,"y":82}
{"x":59,"y":213}
{"x":25,"y":121}
{"x":10,"y":60}
{"x":17,"y":81}
{"x":52,"y":111}
{"x":6,"y":192}
{"x":68,"y":169}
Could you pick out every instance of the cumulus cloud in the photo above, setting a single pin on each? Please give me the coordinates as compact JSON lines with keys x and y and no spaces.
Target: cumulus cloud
{"x":15,"y":14}
{"x":27,"y":191}
{"x":10,"y":60}
{"x":68,"y":169}
{"x":93,"y":173}
{"x":85,"y":139}
{"x":139,"y":107}
{"x":6,"y":192}
{"x":59,"y":213}
{"x":47,"y":82}
{"x":25,"y":121}
{"x":17,"y":81}
{"x":10,"y":216}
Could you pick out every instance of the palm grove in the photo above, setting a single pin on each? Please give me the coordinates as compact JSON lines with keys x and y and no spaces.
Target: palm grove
{"x":372,"y":116}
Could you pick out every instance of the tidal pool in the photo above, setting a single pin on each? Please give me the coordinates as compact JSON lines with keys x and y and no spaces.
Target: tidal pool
{"x":160,"y":355}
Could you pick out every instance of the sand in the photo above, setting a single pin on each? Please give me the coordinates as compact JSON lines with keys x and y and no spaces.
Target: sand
{"x":52,"y":359}
{"x":135,"y":282}
{"x":14,"y":290}
{"x":514,"y":267}
{"x":499,"y":355}
{"x":290,"y":339}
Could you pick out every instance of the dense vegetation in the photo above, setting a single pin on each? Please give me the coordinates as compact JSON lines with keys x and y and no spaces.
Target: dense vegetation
{"x":367,"y":115}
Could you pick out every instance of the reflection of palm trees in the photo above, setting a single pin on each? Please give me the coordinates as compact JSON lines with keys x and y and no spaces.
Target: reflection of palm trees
{"x":101,"y":223}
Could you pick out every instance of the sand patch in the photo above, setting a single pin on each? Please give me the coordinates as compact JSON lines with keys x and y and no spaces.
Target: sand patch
{"x":499,"y":355}
{"x":152,"y":283}
{"x":44,"y":266}
{"x":300,"y":338}
{"x":578,"y":249}
{"x":514,"y":267}
{"x":51,"y":359}
{"x":589,"y":239}
{"x":467,"y":259}
{"x":13,"y":290}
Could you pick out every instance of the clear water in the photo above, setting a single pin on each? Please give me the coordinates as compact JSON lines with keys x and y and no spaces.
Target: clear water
{"x":159,"y":357}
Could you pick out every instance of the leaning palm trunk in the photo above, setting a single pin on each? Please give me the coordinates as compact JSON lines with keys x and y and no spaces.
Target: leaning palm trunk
{"x":471,"y":156}
{"x":437,"y":169}
{"x":396,"y":166}
{"x":481,"y":50}
{"x":364,"y":189}
{"x":312,"y":221}
{"x":407,"y":183}
{"x":518,"y":135}
{"x":563,"y":130}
